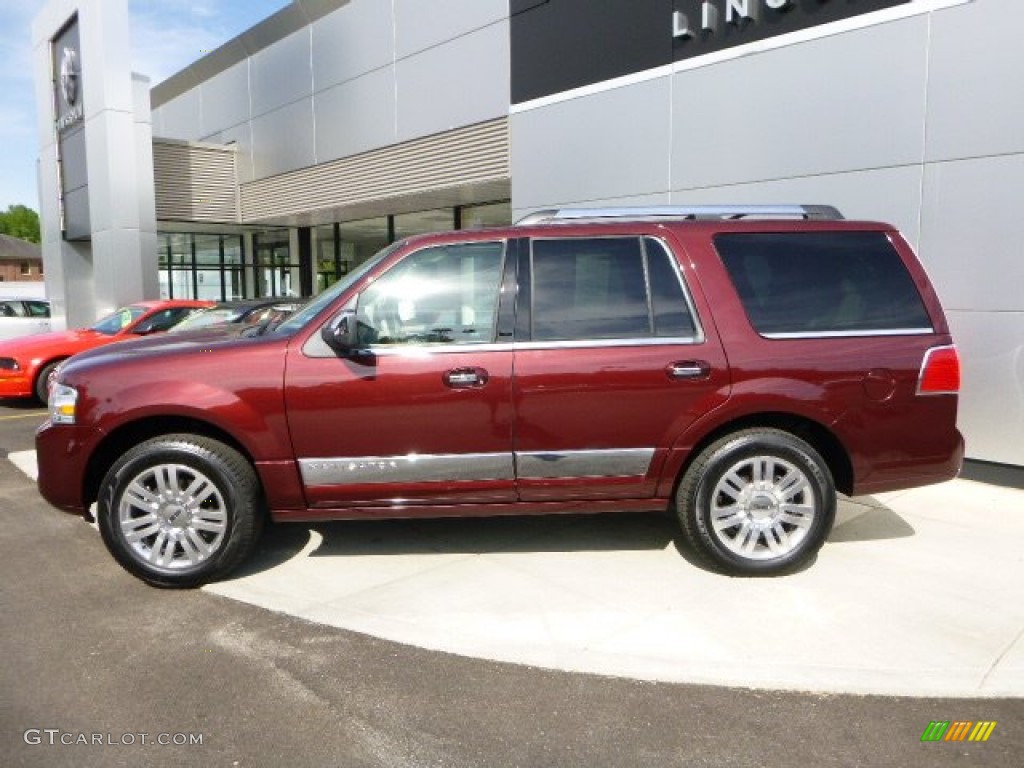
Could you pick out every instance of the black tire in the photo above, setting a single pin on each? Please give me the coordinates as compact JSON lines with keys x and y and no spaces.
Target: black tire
{"x":193,"y":514}
{"x":757,"y":502}
{"x":42,"y":385}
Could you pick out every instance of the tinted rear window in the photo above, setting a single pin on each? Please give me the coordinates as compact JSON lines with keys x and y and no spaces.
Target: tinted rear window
{"x":822,"y":282}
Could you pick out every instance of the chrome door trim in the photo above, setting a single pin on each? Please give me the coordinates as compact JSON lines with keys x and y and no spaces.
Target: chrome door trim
{"x":616,"y":462}
{"x":412,"y":468}
{"x":454,"y":467}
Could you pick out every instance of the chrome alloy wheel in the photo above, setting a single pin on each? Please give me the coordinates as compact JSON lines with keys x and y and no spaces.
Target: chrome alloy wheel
{"x":762,"y":508}
{"x":172,"y":517}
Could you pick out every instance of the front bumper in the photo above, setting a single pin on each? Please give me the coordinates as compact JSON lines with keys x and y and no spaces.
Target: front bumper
{"x":15,"y":384}
{"x":62,"y":453}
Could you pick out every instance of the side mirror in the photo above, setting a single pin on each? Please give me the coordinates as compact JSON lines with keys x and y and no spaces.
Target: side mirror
{"x":340,"y":333}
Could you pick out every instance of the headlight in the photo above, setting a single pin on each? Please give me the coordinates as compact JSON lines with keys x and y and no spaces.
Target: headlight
{"x":63,"y":401}
{"x":9,"y":364}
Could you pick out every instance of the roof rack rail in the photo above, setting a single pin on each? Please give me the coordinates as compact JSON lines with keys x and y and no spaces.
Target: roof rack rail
{"x":697,"y":212}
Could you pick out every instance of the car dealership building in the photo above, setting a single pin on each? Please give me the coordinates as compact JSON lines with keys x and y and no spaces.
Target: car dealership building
{"x":278,"y":161}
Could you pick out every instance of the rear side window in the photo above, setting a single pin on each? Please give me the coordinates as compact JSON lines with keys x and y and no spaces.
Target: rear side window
{"x":38,"y":308}
{"x":820,"y":283}
{"x":607,"y":288}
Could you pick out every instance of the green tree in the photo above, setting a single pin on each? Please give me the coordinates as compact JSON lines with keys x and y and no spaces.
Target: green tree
{"x":20,"y":221}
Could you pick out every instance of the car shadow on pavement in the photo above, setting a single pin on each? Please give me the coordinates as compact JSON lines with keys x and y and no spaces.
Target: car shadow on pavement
{"x":863,"y":519}
{"x":551,"y":533}
{"x":866,"y":519}
{"x":22,"y":404}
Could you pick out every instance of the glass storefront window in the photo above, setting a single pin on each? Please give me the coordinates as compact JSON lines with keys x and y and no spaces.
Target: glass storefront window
{"x":217,"y":266}
{"x":488,"y":215}
{"x":357,"y":242}
{"x":408,"y":224}
{"x":275,"y":272}
{"x":200,"y":266}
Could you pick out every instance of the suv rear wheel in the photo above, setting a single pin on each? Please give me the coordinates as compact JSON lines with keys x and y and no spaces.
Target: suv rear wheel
{"x":757,"y":502}
{"x":180,"y":510}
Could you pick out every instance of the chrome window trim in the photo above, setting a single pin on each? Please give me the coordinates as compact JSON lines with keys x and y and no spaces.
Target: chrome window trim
{"x":699,"y":336}
{"x":849,"y":334}
{"x":647,"y":341}
{"x":425,"y":350}
{"x":613,"y":462}
{"x":411,"y":468}
{"x":669,"y":254}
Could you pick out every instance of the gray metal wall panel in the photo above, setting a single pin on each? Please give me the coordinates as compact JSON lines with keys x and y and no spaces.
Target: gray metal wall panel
{"x":180,"y":118}
{"x":991,"y":414}
{"x":225,"y":99}
{"x":282,"y":73}
{"x":241,"y":137}
{"x":891,"y":195}
{"x":352,"y":41}
{"x":975,"y":98}
{"x":610,"y":145}
{"x":846,"y":102}
{"x":77,"y":221}
{"x":283,"y":140}
{"x":74,"y":168}
{"x":421,"y":25}
{"x":661,"y":198}
{"x":973,"y":239}
{"x":156,"y":117}
{"x":355,"y":116}
{"x":112,"y":175}
{"x":460,"y":83}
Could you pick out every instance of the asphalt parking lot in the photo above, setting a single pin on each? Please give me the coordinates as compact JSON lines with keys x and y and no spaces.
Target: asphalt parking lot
{"x":100,"y":670}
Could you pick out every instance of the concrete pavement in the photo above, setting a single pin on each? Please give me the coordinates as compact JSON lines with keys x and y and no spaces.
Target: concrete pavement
{"x":916,"y":593}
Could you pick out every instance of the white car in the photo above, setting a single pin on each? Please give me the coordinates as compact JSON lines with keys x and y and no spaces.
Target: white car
{"x":23,"y":317}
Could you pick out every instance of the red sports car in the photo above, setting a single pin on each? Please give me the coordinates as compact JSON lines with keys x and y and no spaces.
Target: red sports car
{"x":27,"y":363}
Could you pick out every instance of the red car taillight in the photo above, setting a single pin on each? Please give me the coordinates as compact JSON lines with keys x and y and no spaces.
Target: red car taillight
{"x":940,"y":372}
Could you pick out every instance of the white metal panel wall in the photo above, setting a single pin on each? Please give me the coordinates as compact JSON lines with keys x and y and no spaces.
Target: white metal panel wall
{"x":338,"y":88}
{"x":355,"y":116}
{"x":842,"y":103}
{"x":351,"y":42}
{"x":608,"y":145}
{"x":225,"y":100}
{"x":421,"y":25}
{"x":975,"y":98}
{"x":461,"y":82}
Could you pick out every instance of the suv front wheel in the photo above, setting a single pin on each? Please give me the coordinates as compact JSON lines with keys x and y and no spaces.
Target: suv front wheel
{"x":757,"y":502}
{"x":180,"y":510}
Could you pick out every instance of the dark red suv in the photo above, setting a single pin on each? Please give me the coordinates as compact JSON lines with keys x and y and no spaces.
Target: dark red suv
{"x":735,"y":366}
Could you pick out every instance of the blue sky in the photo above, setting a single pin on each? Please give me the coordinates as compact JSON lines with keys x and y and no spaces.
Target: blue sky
{"x":167,"y":35}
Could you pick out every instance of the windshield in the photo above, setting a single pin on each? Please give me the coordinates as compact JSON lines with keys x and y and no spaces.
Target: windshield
{"x":119,"y":320}
{"x":303,"y":317}
{"x":206,"y":317}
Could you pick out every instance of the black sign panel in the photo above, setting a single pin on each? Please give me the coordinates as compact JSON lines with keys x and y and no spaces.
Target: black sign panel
{"x":558,"y":45}
{"x":562,"y":44}
{"x":70,"y":127}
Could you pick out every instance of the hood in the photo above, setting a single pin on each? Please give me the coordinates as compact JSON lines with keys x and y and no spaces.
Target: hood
{"x":195,"y":342}
{"x":31,"y":346}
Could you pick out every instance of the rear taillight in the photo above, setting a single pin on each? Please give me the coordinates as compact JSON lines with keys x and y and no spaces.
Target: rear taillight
{"x":940,"y":372}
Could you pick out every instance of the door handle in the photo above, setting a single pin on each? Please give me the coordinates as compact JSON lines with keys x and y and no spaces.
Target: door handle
{"x":465,"y":378}
{"x":689,"y":369}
